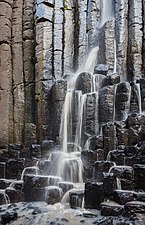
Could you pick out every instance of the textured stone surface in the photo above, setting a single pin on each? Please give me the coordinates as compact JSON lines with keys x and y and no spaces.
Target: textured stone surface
{"x":93,"y":16}
{"x":122,"y":101}
{"x":121,"y":14}
{"x":93,"y":195}
{"x":109,"y":138}
{"x":106,"y":105}
{"x":107,"y":44}
{"x":135,"y":39}
{"x":111,"y":209}
{"x":68,"y":47}
{"x":64,"y":33}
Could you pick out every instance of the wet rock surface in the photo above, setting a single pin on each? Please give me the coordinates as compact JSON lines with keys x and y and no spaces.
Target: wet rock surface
{"x":40,"y":212}
{"x":43,"y":45}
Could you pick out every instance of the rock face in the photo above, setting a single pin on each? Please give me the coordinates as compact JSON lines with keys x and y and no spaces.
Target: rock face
{"x":43,"y":41}
{"x":17,"y":71}
{"x":44,"y":46}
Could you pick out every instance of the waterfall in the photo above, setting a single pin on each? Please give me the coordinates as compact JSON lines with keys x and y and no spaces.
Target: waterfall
{"x":115,"y":58}
{"x":78,"y":136}
{"x":70,"y":165}
{"x":138,"y":92}
{"x":91,"y":61}
{"x":66,"y":121}
{"x":107,"y":11}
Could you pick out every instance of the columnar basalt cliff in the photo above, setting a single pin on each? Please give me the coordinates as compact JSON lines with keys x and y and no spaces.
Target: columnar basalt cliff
{"x":44,"y":41}
{"x":72,"y":105}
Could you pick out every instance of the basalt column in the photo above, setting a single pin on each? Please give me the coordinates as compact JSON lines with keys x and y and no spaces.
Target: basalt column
{"x":121,"y":15}
{"x":135,"y":39}
{"x":29,"y":72}
{"x":44,"y":26}
{"x":17,"y":71}
{"x":6,"y":100}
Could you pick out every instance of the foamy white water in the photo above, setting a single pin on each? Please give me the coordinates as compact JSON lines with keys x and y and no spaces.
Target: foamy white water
{"x":81,"y":108}
{"x":115,"y":58}
{"x":138,"y":92}
{"x":66,"y":121}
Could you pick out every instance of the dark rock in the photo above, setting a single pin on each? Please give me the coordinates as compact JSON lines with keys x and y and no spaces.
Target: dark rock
{"x":133,"y":137}
{"x":53,"y":194}
{"x":56,"y":112}
{"x":64,"y":220}
{"x":133,"y":121}
{"x":101,"y":69}
{"x":134,"y":99}
{"x":88,"y":158}
{"x":102,"y":166}
{"x":83,"y":82}
{"x":36,"y":211}
{"x":99,"y":168}
{"x":17,"y":184}
{"x":122,"y":196}
{"x":8,"y":217}
{"x":122,"y":101}
{"x":143,"y":148}
{"x":142,"y":88}
{"x":3,"y":198}
{"x":30,"y":183}
{"x":35,"y":151}
{"x":90,"y":120}
{"x":111,"y":209}
{"x":14,"y":168}
{"x":106,"y":105}
{"x":135,"y":207}
{"x":117,"y":156}
{"x":104,"y":221}
{"x":14,"y":195}
{"x":14,"y":150}
{"x":4,"y":183}
{"x":38,"y":194}
{"x":125,"y":172}
{"x":142,"y":131}
{"x":140,"y":196}
{"x":76,"y":198}
{"x":139,"y":175}
{"x":127,"y":184}
{"x":122,"y":135}
{"x":131,"y":150}
{"x":110,"y":183}
{"x":43,"y":166}
{"x":46,"y":147}
{"x":93,"y":195}
{"x":2,"y":169}
{"x":109,"y":138}
{"x":111,"y":80}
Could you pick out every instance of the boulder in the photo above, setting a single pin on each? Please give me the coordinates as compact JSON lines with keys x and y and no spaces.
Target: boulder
{"x":111,"y":209}
{"x":134,"y":207}
{"x":93,"y":195}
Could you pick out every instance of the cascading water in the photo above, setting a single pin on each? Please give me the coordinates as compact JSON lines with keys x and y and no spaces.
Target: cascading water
{"x":70,"y":165}
{"x":115,"y":58}
{"x":107,"y":11}
{"x":138,"y":93}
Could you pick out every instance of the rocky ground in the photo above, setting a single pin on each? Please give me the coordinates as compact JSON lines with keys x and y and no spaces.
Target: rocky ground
{"x":41,"y":213}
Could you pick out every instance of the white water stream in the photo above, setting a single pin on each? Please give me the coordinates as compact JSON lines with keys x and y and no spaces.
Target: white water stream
{"x":106,"y":11}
